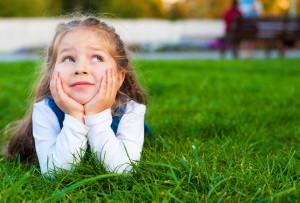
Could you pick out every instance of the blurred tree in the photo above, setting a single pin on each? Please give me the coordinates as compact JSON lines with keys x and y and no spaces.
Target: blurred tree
{"x":155,"y":9}
{"x":177,"y":11}
{"x":137,"y":8}
{"x":171,"y":9}
{"x":210,"y":9}
{"x":26,"y":8}
{"x":278,"y":7}
{"x":125,"y":9}
{"x":206,"y":9}
{"x":216,"y":8}
{"x":91,"y":6}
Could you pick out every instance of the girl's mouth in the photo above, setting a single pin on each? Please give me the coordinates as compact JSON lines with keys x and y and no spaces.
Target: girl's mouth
{"x":80,"y":84}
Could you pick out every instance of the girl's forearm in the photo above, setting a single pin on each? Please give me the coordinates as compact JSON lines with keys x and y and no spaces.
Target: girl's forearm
{"x":57,"y":147}
{"x":117,"y":152}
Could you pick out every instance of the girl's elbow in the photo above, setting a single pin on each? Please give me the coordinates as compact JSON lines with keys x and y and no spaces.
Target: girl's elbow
{"x":124,"y":165}
{"x":122,"y":168}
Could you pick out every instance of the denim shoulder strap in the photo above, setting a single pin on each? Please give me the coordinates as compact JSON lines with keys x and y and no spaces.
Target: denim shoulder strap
{"x":58,"y":112}
{"x":116,"y":119}
{"x":61,"y":115}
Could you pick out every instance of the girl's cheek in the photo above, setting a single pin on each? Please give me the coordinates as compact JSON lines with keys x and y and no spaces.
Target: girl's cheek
{"x":58,"y":67}
{"x":62,"y":76}
{"x":100,"y":75}
{"x":64,"y":85}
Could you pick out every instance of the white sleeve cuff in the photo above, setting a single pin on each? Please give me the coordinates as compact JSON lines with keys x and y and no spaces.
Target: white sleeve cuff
{"x":99,"y":118}
{"x":75,"y":125}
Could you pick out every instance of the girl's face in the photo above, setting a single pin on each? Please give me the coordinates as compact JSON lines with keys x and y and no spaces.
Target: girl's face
{"x":82,"y":61}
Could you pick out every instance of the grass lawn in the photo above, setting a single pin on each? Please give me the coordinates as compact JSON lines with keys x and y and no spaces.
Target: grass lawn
{"x":226,"y":130}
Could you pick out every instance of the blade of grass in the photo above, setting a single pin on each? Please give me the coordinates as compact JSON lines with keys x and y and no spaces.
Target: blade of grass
{"x":215,"y":186}
{"x":80,"y":183}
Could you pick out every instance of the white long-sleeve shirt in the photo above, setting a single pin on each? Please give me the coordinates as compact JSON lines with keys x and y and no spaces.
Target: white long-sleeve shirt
{"x":61,"y":148}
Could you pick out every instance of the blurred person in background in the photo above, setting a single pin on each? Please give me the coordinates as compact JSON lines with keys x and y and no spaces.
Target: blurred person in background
{"x":229,"y":16}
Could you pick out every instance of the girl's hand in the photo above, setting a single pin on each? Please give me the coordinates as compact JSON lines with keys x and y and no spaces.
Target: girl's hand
{"x":106,"y":95}
{"x":63,"y":101}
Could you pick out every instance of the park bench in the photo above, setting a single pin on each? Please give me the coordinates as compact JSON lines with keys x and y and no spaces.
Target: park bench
{"x":270,"y":32}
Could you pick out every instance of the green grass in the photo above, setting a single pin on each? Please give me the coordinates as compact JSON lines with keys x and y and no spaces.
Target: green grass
{"x":226,"y":131}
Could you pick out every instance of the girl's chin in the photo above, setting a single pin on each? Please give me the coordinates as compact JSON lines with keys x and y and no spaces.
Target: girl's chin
{"x":82,"y":101}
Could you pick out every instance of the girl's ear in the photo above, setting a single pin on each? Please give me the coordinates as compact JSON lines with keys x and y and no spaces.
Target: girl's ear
{"x":121,"y":77}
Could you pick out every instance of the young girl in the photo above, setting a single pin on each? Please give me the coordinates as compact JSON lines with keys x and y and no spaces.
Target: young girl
{"x":87,"y":98}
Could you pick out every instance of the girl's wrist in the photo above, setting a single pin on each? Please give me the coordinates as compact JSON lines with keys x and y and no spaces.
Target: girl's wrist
{"x":78,"y":116}
{"x":93,"y":112}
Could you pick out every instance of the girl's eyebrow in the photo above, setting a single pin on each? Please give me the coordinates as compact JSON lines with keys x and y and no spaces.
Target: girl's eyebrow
{"x":99,"y":50}
{"x":65,"y":50}
{"x":95,"y":48}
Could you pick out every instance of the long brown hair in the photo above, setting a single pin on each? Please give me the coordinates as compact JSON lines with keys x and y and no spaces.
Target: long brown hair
{"x":22,"y":141}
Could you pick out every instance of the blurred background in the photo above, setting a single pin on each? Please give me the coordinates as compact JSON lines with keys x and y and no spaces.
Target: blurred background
{"x":146,"y":26}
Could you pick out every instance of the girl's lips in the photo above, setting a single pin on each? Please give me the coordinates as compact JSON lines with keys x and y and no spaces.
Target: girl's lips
{"x":81,"y":83}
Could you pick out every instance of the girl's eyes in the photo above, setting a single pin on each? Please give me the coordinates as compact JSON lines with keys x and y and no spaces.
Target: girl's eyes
{"x":68,"y":59}
{"x":97,"y":58}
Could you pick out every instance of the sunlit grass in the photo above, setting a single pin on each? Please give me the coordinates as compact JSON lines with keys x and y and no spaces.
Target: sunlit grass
{"x":226,"y":130}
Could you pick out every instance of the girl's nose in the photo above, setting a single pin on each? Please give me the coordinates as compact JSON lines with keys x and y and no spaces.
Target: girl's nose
{"x":79,"y":72}
{"x":81,"y":69}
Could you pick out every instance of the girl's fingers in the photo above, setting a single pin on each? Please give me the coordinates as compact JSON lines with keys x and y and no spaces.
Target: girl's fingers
{"x":109,"y":82}
{"x":113,"y":86}
{"x":103,"y":87}
{"x":53,"y":85}
{"x":57,"y":90}
{"x":59,"y":87}
{"x":114,"y":83}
